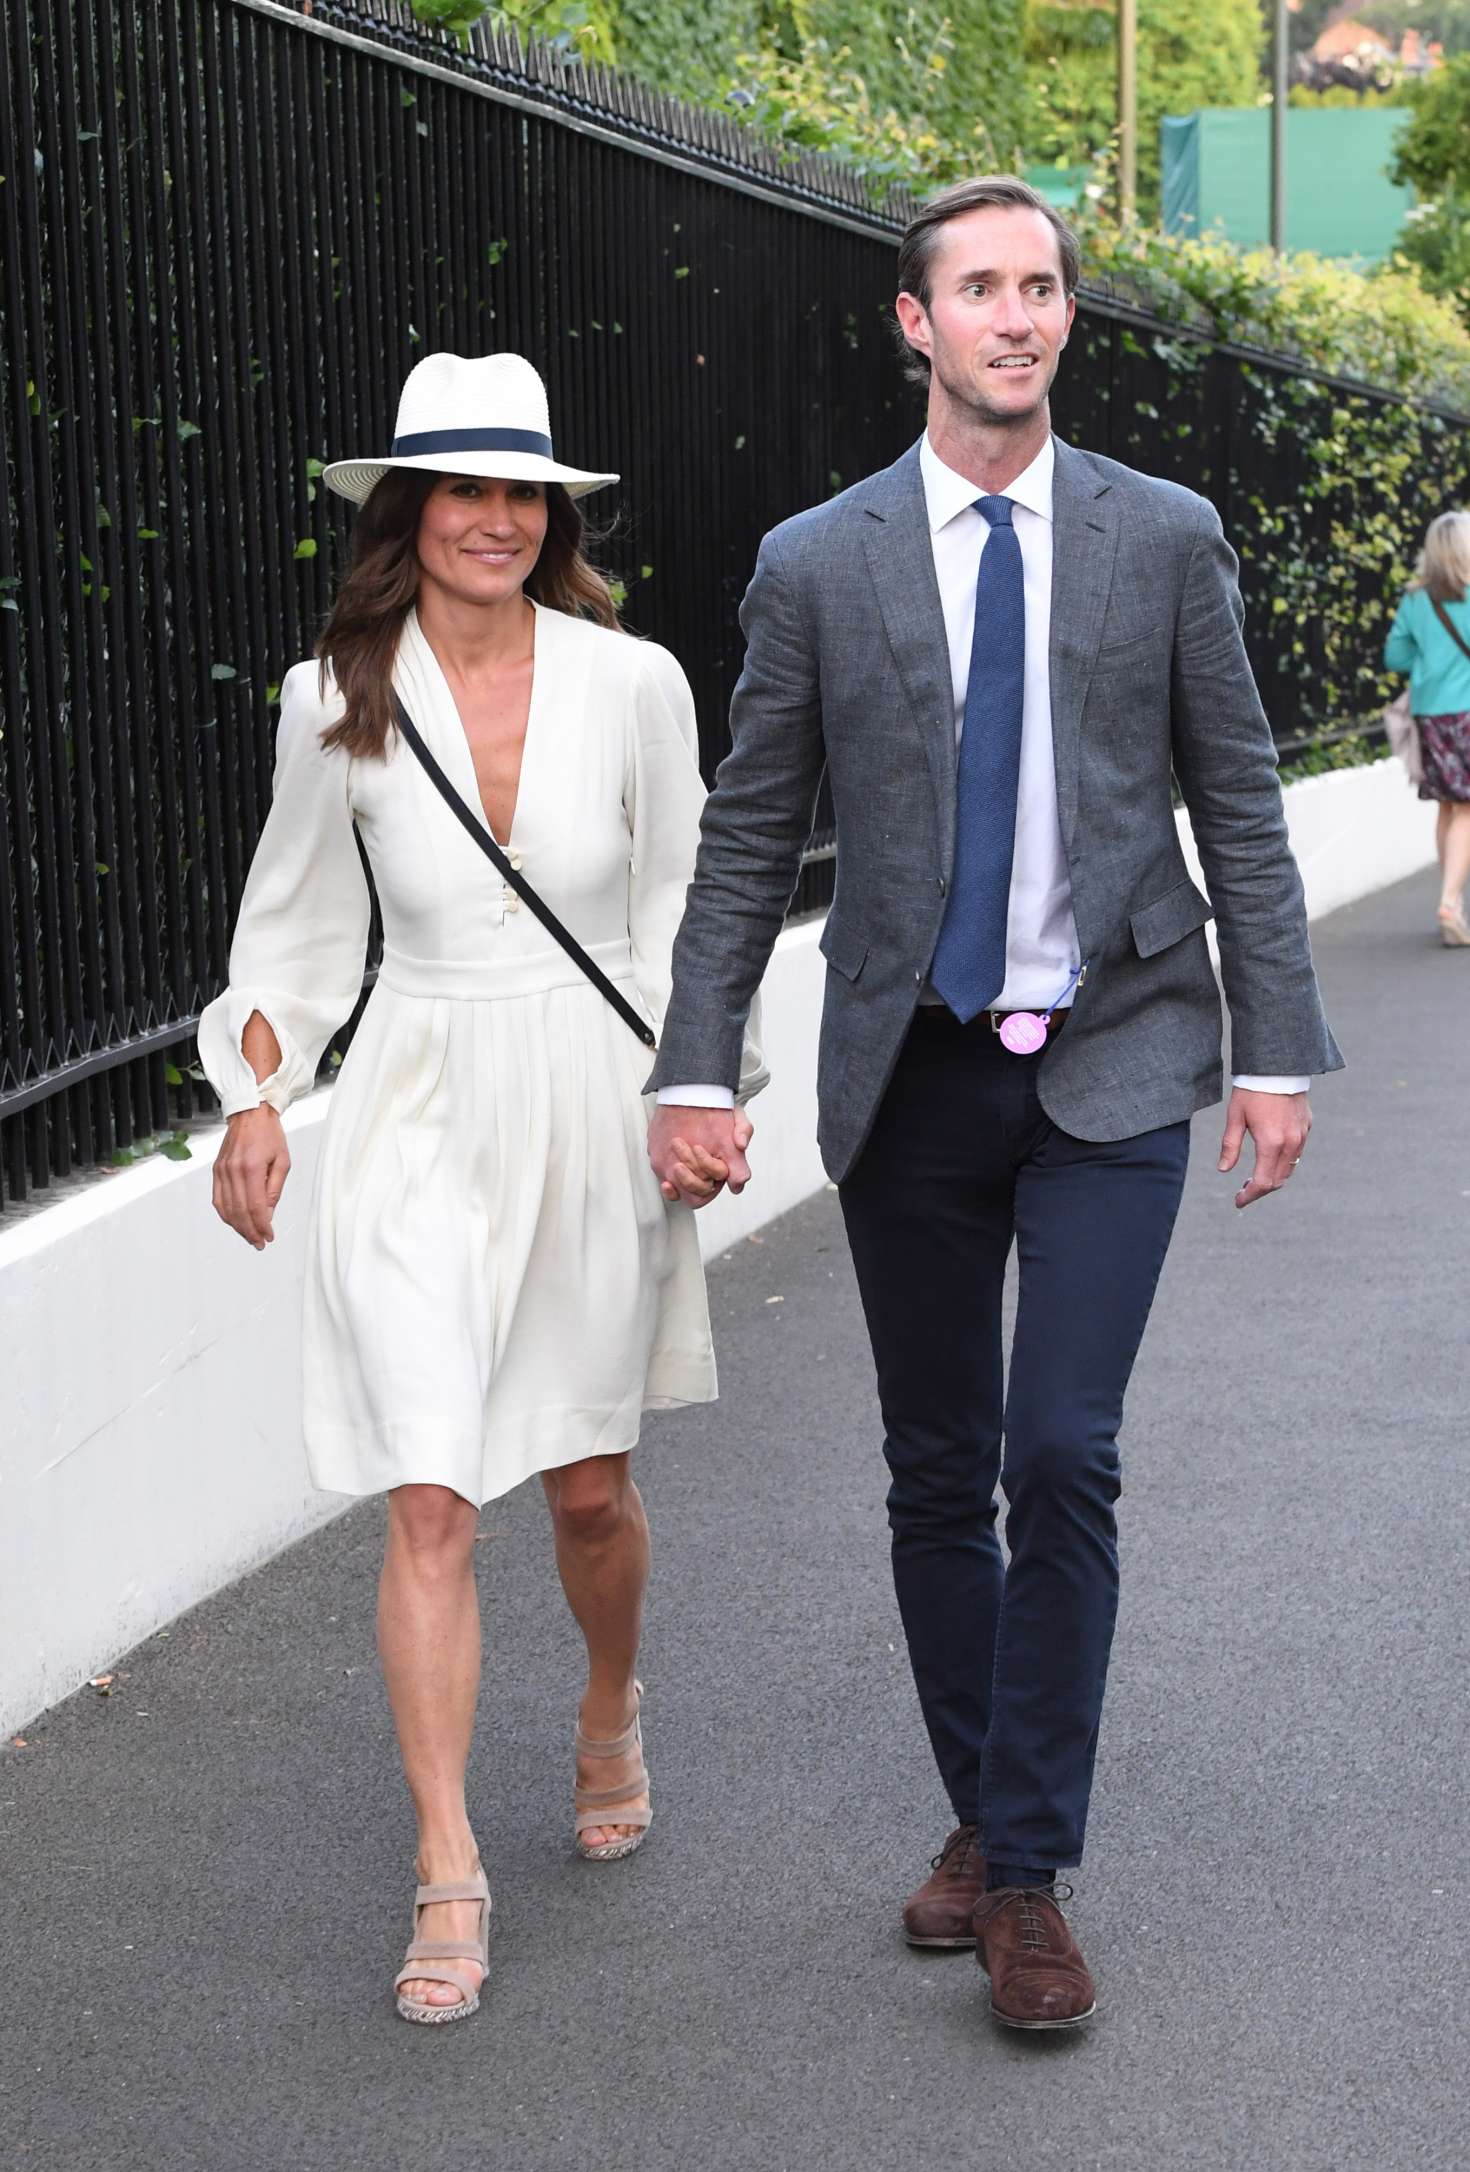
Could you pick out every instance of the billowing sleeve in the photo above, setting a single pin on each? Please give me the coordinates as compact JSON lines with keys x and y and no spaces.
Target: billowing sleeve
{"x":664,"y":796}
{"x":1401,"y":649}
{"x":301,"y":940}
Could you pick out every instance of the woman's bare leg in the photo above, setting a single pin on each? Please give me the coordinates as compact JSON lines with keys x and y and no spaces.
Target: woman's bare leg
{"x":602,"y":1554}
{"x":429,"y":1643}
{"x":1456,"y":862}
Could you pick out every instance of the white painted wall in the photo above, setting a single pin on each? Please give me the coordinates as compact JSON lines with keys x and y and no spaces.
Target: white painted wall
{"x":1353,"y":831}
{"x":151,"y":1451}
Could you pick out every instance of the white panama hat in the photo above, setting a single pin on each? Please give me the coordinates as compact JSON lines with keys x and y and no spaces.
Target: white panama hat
{"x":485,"y":415}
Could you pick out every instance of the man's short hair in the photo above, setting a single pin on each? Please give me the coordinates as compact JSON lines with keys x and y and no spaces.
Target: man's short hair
{"x":998,"y":191}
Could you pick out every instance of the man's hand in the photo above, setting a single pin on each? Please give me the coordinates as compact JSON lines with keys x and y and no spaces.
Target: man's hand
{"x":696,"y":1151}
{"x":1278,"y":1124}
{"x":250,"y":1174}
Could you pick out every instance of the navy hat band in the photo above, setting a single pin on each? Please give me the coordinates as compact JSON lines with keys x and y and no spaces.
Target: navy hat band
{"x":445,"y":441}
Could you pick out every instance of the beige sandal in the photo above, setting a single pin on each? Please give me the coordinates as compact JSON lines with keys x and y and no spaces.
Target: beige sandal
{"x":610,"y":1805}
{"x":1454,"y":930}
{"x":442,"y":1953}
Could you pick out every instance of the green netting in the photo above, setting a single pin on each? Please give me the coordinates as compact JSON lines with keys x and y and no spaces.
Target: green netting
{"x":1339,"y":199}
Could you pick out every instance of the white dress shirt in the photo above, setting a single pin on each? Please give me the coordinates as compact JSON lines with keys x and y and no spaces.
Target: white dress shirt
{"x":1042,"y":954}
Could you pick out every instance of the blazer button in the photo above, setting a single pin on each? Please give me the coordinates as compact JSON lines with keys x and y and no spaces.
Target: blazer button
{"x":918,"y":978}
{"x":941,"y":886}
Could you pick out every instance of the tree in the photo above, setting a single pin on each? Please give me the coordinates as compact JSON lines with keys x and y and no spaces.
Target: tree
{"x":1433,"y":153}
{"x":1433,"y":157}
{"x":1191,"y":53}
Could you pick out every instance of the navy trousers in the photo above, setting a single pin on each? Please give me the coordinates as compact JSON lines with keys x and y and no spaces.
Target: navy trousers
{"x":1010,"y":1661}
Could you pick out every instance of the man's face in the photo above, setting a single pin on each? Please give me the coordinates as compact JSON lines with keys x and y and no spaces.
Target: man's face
{"x":998,"y":316}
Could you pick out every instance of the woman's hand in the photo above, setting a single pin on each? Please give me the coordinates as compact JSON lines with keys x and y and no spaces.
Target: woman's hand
{"x":250,"y":1174}
{"x":696,"y":1152}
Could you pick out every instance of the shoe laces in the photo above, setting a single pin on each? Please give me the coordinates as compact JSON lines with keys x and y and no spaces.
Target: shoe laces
{"x":955,"y":1856}
{"x":1033,"y":1919}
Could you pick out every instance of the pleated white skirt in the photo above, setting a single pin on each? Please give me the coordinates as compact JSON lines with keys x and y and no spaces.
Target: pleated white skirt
{"x":495,"y":1285}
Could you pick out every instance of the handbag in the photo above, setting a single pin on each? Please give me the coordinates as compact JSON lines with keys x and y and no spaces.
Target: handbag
{"x":481,"y":834}
{"x":1402,"y":734}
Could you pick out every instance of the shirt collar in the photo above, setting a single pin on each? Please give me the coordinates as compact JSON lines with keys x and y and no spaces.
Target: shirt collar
{"x":947,"y":494}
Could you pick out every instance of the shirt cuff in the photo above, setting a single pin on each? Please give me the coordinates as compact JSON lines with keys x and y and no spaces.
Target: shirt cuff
{"x":696,"y":1097}
{"x":1252,"y":1085}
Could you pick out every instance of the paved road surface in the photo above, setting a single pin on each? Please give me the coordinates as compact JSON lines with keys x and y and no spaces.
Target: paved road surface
{"x":206,"y":1881}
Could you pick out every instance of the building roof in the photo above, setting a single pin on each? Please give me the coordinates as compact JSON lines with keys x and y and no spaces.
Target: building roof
{"x":1340,"y":39}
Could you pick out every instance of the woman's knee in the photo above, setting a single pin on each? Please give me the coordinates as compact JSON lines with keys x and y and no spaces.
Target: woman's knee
{"x":433,"y":1522}
{"x":590,"y":1500}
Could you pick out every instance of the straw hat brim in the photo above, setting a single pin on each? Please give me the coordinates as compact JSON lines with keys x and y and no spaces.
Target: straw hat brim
{"x":355,"y":479}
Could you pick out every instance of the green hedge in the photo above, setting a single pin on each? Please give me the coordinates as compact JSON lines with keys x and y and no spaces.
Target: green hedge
{"x":916,"y":94}
{"x":1328,"y":548}
{"x":695,"y":52}
{"x":1383,"y":327}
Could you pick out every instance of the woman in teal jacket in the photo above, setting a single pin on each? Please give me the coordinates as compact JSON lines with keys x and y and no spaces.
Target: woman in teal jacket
{"x":1430,"y":640}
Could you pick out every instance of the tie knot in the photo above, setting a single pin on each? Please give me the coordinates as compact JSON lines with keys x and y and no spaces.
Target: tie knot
{"x":996,"y":510}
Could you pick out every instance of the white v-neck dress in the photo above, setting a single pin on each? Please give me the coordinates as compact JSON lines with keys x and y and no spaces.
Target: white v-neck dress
{"x":495,"y":1285}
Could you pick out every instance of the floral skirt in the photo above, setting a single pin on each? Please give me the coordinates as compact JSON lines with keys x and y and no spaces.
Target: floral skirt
{"x":1445,"y":744}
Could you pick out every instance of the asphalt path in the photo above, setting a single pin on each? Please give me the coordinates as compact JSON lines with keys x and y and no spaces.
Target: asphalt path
{"x":206,"y":1877}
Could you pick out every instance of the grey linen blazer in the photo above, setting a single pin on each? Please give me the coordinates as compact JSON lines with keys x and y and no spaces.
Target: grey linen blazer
{"x":847,"y":666}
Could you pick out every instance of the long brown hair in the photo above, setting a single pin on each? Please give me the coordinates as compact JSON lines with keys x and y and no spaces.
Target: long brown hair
{"x":360,"y":638}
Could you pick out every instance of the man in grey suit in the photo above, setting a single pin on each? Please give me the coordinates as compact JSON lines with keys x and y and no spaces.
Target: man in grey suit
{"x":1002,"y":651}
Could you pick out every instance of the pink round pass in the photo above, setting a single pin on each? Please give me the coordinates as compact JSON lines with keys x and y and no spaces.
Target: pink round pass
{"x":1023,"y":1033}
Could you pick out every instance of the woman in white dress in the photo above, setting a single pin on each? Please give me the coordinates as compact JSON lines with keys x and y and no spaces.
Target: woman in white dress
{"x":495,"y":1283}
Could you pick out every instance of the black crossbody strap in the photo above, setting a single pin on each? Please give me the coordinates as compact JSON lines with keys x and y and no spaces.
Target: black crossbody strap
{"x":517,"y":881}
{"x":1449,"y":626}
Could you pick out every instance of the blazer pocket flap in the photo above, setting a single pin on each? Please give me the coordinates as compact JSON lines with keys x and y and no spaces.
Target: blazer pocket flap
{"x":1156,"y":634}
{"x":1169,"y":919}
{"x":844,"y":951}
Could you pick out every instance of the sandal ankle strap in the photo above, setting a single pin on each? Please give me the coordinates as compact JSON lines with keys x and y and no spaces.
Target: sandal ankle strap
{"x":620,"y":1745}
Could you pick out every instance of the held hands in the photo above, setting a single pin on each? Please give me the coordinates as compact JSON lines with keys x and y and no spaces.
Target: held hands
{"x":250,"y":1174}
{"x":696,"y":1151}
{"x":1278,"y":1124}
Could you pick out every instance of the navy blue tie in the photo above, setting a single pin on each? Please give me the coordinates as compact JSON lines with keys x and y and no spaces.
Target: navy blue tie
{"x":969,"y":968}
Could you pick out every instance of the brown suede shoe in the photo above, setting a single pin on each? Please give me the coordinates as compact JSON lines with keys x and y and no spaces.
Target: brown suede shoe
{"x":940,"y":1913}
{"x":1038,"y":1978}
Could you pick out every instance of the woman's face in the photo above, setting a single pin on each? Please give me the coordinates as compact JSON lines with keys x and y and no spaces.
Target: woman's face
{"x":480,"y":537}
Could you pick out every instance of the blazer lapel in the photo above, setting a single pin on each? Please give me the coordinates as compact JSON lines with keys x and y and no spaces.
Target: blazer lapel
{"x":1084,"y":545}
{"x":901,"y":563}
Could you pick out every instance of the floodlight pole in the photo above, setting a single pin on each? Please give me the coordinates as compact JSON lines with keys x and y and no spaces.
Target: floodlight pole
{"x":1127,"y":108}
{"x":1278,"y":124}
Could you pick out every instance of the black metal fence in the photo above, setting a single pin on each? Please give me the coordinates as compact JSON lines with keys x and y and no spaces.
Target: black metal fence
{"x":227,"y":229}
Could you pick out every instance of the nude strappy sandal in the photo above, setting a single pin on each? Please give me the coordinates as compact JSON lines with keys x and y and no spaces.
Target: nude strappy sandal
{"x":610,"y":1805}
{"x":434,"y":1959}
